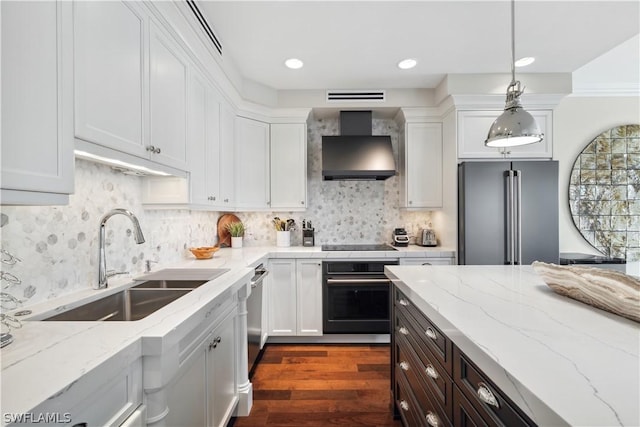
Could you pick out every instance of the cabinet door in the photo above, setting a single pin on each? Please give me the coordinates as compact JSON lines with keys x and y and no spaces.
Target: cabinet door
{"x":168,"y":106}
{"x":473,"y":127}
{"x":252,"y":164}
{"x":37,"y":102}
{"x":423,"y":157}
{"x":109,"y":75}
{"x":212,"y":146}
{"x":221,"y":376}
{"x":196,"y":142}
{"x":187,"y":393}
{"x":309,"y":301}
{"x":282,"y":297}
{"x":227,"y":157}
{"x":288,"y":155}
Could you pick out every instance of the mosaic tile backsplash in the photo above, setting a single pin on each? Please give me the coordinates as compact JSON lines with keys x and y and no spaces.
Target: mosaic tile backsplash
{"x":59,"y":245}
{"x":604,"y":192}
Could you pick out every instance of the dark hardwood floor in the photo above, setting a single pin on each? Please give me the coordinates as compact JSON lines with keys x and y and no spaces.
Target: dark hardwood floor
{"x":322,"y":385}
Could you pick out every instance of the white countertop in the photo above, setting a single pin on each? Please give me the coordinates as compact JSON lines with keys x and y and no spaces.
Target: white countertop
{"x":559,"y":360}
{"x":47,"y":357}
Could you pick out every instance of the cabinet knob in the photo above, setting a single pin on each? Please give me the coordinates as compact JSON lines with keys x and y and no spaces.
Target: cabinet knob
{"x":403,"y":302}
{"x":302,"y":202}
{"x":431,"y":371}
{"x":404,"y":366}
{"x":157,"y":150}
{"x":404,"y":405}
{"x":410,"y":202}
{"x":485,"y":394}
{"x":151,"y":148}
{"x":431,"y":334}
{"x":432,"y":419}
{"x":213,"y":198}
{"x":403,"y":330}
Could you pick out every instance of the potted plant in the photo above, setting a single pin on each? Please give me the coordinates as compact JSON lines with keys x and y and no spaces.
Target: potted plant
{"x":236,"y":230}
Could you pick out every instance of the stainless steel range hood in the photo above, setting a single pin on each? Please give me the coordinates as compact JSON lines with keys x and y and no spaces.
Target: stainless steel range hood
{"x":356,"y":154}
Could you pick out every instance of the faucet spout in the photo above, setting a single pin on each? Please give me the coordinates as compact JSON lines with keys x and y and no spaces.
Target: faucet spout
{"x":102,"y":259}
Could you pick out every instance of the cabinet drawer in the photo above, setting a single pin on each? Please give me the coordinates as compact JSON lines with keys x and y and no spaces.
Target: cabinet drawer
{"x":431,"y":373}
{"x":464,"y":415}
{"x":479,"y":390}
{"x":434,"y":339}
{"x":429,"y":405}
{"x":405,"y":403}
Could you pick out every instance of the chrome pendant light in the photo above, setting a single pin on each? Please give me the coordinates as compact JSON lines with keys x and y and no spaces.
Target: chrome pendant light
{"x":514,"y":126}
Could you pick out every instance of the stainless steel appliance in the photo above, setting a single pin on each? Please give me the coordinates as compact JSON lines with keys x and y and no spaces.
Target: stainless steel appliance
{"x":254,"y":315}
{"x":400,"y":237}
{"x":508,"y":212}
{"x":426,"y":237}
{"x":356,"y":297}
{"x":308,"y":233}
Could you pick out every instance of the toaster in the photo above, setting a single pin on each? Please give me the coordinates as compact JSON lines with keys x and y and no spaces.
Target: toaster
{"x":426,"y":237}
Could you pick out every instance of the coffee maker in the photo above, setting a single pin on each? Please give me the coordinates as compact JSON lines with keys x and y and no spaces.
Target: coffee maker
{"x":400,"y":237}
{"x":308,"y":233}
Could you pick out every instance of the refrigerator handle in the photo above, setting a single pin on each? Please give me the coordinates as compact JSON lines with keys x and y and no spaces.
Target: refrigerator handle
{"x":510,"y":219}
{"x":518,"y":216}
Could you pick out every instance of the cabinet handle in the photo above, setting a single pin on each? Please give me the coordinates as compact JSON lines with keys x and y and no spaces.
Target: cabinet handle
{"x":431,"y":371}
{"x":410,"y":202}
{"x":431,"y":334}
{"x":157,"y":150}
{"x":151,"y":148}
{"x":213,"y":198}
{"x":226,"y":200}
{"x":432,"y":419}
{"x":485,"y":394}
{"x":404,"y":405}
{"x":404,"y":366}
{"x":302,"y":202}
{"x":80,"y":425}
{"x":403,"y":302}
{"x":403,"y":330}
{"x":426,"y":263}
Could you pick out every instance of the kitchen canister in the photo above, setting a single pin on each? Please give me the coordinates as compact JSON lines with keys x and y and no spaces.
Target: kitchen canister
{"x":283,"y":239}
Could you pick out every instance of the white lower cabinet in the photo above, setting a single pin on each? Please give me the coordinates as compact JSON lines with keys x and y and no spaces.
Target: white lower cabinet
{"x":204,"y":391}
{"x":37,"y":102}
{"x":294,"y":302}
{"x":427,"y":261}
{"x":96,"y":399}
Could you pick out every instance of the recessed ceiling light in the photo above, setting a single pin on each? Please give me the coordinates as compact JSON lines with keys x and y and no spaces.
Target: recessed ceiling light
{"x":523,"y":62}
{"x":293,"y":63}
{"x":406,"y":64}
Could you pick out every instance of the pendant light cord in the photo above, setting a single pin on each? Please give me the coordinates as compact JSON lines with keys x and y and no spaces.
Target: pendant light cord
{"x":513,"y":42}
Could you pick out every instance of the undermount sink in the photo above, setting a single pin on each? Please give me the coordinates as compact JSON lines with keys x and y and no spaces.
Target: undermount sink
{"x":152,"y":292}
{"x":128,"y":305}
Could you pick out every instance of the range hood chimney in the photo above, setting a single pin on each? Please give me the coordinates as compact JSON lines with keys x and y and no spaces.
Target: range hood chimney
{"x":357,"y":154}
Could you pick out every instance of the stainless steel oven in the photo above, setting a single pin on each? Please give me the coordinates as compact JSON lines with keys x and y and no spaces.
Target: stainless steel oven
{"x":356,"y":297}
{"x":254,"y":315}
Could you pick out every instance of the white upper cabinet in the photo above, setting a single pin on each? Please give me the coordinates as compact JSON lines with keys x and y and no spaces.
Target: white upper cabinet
{"x":168,"y":100}
{"x":473,"y":127}
{"x":288,"y":166}
{"x":110,"y":71}
{"x":37,"y":102}
{"x":252,"y":164}
{"x":203,"y":144}
{"x":420,"y":167}
{"x":227,"y":156}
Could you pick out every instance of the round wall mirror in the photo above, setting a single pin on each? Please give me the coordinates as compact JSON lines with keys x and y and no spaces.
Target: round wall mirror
{"x":604,"y":192}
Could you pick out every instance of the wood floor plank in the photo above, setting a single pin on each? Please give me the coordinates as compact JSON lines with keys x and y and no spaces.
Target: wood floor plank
{"x":322,"y":385}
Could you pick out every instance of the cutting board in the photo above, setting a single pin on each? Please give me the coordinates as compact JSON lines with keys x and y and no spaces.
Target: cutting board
{"x":224,"y":238}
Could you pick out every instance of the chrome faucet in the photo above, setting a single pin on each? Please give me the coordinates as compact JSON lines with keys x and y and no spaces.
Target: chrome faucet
{"x":102,"y":260}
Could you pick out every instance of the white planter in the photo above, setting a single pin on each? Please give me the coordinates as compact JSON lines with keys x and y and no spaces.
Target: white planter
{"x":283,"y":239}
{"x":236,"y":242}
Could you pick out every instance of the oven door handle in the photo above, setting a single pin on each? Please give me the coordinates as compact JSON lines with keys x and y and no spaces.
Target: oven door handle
{"x":356,"y":281}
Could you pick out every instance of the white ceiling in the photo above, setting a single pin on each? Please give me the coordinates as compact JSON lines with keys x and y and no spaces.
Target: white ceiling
{"x":357,"y":44}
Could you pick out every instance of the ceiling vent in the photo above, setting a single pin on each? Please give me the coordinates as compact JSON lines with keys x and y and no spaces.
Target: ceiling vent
{"x":205,"y":26}
{"x":355,"y":95}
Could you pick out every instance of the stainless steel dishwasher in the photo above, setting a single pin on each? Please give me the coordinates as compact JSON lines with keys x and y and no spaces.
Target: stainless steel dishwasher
{"x":254,"y":315}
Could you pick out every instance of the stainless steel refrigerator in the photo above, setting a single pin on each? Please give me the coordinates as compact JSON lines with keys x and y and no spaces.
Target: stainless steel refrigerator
{"x":507,"y":212}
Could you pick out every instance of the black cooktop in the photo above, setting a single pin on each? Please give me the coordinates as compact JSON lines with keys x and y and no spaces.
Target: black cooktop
{"x":365,"y":247}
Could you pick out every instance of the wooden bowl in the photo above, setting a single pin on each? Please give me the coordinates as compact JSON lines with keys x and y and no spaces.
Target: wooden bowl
{"x":204,"y":252}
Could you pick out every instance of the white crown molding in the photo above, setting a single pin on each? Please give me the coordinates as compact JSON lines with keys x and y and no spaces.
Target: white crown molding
{"x":608,"y":89}
{"x":496,"y":102}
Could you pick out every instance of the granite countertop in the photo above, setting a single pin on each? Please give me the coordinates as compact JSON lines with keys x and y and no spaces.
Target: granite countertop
{"x":47,"y":357}
{"x":560,"y":361}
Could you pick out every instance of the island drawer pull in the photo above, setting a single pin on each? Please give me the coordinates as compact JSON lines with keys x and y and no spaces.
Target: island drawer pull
{"x":404,"y":405}
{"x":431,"y":334}
{"x":403,"y":330}
{"x":403,"y":302}
{"x":404,"y":366}
{"x":432,"y":419}
{"x":485,"y":394}
{"x":431,"y":371}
